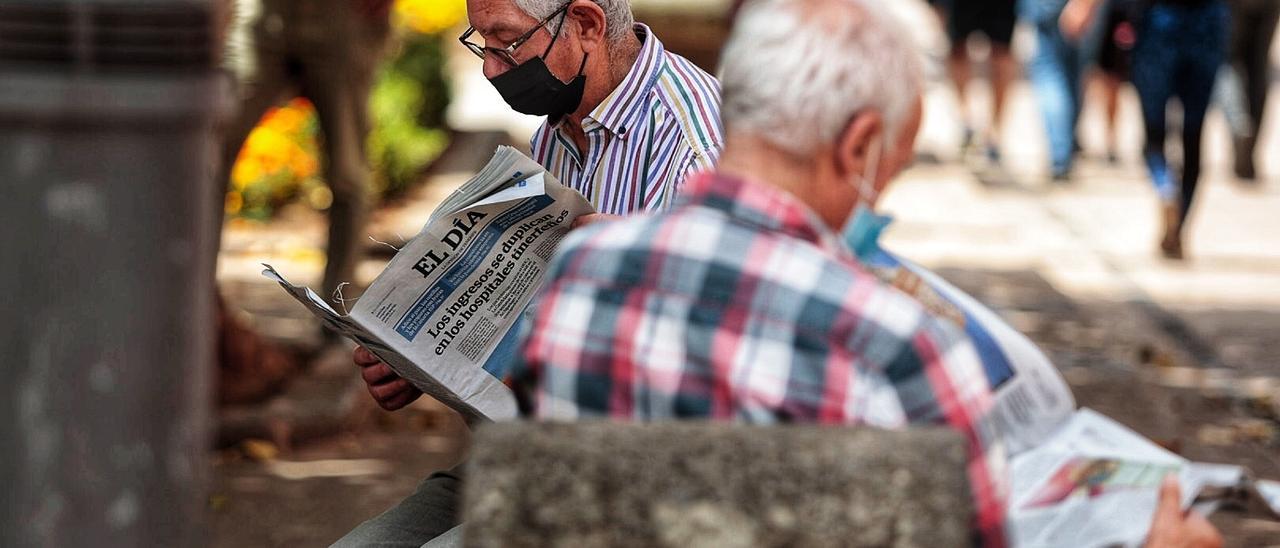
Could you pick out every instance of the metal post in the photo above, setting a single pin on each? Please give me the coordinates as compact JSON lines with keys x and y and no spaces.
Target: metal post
{"x":107,"y":251}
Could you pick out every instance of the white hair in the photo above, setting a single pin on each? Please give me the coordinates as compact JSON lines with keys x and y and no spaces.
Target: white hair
{"x":794,"y":72}
{"x":618,"y":20}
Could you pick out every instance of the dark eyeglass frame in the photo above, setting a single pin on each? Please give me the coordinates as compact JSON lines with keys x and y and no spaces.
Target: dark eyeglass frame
{"x":507,"y":54}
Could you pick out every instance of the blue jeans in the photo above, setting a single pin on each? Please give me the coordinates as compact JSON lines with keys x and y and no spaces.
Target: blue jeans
{"x":1178,"y":54}
{"x":1055,"y":72}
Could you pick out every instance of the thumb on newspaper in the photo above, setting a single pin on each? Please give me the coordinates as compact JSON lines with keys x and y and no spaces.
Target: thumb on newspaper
{"x":1171,"y":527}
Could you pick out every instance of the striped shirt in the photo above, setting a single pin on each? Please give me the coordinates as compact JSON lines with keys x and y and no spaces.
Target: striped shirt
{"x":740,"y":304}
{"x":661,"y":124}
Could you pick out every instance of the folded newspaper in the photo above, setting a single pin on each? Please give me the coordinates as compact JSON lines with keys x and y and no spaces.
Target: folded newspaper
{"x":451,"y":293}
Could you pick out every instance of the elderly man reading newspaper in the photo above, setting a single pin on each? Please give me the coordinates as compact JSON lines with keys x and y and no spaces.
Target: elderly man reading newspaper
{"x":762,"y":297}
{"x":627,"y":122}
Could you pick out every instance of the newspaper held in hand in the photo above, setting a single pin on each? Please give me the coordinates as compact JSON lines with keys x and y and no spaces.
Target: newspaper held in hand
{"x":1095,"y":483}
{"x":451,"y":293}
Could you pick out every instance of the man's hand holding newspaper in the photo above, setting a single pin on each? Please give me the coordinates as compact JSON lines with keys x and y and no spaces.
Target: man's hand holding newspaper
{"x":1173,"y":528}
{"x":390,"y":390}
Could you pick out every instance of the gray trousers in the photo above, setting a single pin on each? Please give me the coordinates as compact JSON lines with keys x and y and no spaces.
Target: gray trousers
{"x":429,"y":512}
{"x":327,"y":52}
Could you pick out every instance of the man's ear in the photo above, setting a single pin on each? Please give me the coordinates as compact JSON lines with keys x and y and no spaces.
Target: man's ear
{"x":853,"y":146}
{"x":589,"y":24}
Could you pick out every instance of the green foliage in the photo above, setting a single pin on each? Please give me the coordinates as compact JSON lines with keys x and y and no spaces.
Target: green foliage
{"x":408,"y":104}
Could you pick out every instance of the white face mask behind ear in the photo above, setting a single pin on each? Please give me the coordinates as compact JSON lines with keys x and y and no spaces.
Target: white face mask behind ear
{"x":862,"y":230}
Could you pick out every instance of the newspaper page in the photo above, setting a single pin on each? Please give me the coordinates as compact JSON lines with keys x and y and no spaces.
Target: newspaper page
{"x":1032,"y":400}
{"x":1093,"y":484}
{"x":447,"y":298}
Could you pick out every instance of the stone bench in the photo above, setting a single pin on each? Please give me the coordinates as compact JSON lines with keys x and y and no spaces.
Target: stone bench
{"x":701,"y":484}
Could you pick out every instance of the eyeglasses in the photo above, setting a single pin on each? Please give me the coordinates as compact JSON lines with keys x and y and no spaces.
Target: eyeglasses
{"x":507,"y":54}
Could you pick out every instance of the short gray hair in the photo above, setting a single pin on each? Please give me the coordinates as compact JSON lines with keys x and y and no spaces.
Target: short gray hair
{"x":618,"y":19}
{"x":794,"y":72}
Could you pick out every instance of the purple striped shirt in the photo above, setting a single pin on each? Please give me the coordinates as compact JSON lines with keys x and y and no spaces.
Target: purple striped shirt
{"x":660,"y":125}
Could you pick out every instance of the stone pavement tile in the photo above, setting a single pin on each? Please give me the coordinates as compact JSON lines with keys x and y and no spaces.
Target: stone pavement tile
{"x":316,"y":494}
{"x":320,"y":402}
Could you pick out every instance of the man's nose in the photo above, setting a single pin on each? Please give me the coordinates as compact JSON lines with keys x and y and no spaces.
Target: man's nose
{"x":493,"y":66}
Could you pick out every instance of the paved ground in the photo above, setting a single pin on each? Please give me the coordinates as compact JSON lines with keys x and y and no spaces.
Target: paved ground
{"x":1183,"y":352}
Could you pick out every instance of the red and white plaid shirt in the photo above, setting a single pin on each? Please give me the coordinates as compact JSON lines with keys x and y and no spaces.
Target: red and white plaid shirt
{"x":740,"y":304}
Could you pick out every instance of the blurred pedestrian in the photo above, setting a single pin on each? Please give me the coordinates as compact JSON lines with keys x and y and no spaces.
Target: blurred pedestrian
{"x":1055,"y":71}
{"x":1253,"y":29}
{"x":326,"y":51}
{"x":1115,"y":57}
{"x":994,"y":20}
{"x":1181,"y":45}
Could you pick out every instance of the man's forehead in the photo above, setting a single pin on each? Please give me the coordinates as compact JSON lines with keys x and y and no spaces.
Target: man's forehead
{"x":497,"y":17}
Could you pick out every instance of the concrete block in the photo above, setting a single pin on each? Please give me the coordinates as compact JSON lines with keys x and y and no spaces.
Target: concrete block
{"x":704,"y":484}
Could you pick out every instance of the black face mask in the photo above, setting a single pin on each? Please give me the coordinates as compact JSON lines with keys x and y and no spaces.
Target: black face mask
{"x":531,"y":88}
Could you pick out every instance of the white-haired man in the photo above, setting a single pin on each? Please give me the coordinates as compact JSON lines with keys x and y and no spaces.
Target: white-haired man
{"x":627,"y":122}
{"x":748,"y":300}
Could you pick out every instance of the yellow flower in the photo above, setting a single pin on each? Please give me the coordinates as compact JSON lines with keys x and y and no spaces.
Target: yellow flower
{"x":277,"y":157}
{"x":244,"y":172}
{"x":430,"y":16}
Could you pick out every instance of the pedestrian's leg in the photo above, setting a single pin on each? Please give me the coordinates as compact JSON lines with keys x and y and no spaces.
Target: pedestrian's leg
{"x":1075,"y":85}
{"x":1048,"y":74}
{"x":1152,"y":75}
{"x":1003,"y":71}
{"x":1231,"y":93}
{"x":959,"y":67}
{"x":431,"y":510}
{"x":341,"y":99}
{"x":1255,"y":63}
{"x":1194,"y":84}
{"x":1111,"y":92}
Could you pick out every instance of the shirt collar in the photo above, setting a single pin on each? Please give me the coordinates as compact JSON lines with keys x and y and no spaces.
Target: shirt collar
{"x":762,"y":207}
{"x":616,"y":112}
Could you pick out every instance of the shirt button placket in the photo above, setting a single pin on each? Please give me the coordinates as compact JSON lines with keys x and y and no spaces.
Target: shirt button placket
{"x":594,"y":153}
